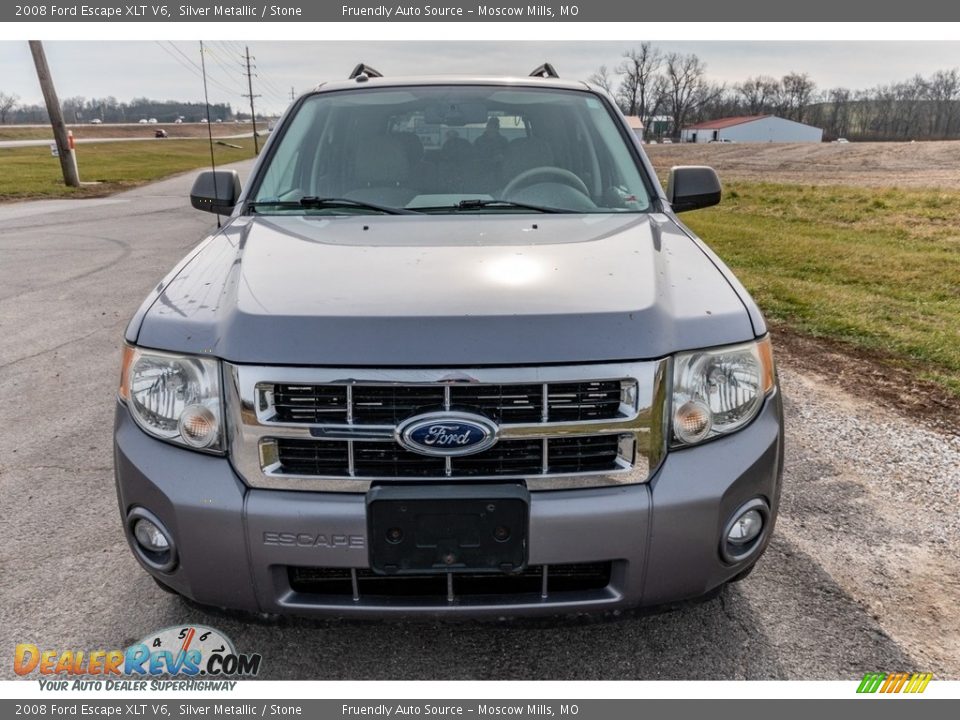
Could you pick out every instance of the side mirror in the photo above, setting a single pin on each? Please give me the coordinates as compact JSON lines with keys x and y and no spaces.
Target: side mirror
{"x":691,"y":187}
{"x":216,"y":191}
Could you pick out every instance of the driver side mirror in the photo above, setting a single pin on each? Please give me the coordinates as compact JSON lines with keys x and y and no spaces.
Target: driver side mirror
{"x":691,"y":187}
{"x":216,"y":191}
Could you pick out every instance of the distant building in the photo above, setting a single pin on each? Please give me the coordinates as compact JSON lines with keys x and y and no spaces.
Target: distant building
{"x":751,"y":128}
{"x":659,"y":125}
{"x":636,"y":125}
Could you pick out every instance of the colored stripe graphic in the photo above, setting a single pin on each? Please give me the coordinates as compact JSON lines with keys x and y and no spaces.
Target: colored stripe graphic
{"x":913,"y":683}
{"x":871,"y":682}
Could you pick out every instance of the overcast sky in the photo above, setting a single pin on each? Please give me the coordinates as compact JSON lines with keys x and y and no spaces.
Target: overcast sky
{"x":164,"y":70}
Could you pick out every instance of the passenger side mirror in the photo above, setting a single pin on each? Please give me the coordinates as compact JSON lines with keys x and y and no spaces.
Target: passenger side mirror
{"x":691,"y":187}
{"x":216,"y":191}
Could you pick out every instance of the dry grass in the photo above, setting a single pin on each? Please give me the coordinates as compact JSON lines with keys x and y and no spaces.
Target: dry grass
{"x":877,"y":269}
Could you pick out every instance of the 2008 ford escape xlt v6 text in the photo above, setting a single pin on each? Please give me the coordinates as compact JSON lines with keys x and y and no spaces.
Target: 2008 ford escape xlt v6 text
{"x":451,"y":354}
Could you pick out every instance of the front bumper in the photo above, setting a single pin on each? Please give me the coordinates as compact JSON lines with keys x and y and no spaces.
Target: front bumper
{"x":235,"y":544}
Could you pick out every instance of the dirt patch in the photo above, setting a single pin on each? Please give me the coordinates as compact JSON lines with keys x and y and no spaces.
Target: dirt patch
{"x":848,"y":367}
{"x":869,"y":164}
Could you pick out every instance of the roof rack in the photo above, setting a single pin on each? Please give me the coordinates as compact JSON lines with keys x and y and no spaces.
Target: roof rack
{"x":365,"y":70}
{"x":545,"y":71}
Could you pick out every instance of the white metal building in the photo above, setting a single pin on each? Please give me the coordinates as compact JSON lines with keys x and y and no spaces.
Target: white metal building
{"x":636,"y":125}
{"x":752,"y":128}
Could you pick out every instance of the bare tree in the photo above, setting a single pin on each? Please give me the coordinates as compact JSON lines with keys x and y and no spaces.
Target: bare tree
{"x":759,"y":93}
{"x":798,"y":89}
{"x":943,"y":91}
{"x":7,"y":103}
{"x":637,"y":92}
{"x":685,"y":86}
{"x":839,"y":112}
{"x":602,"y":79}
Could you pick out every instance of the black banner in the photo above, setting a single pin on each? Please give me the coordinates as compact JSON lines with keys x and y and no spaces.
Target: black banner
{"x":147,"y":709}
{"x":472,"y":11}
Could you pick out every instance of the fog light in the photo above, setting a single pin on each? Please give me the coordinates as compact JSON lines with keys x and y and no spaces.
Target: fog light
{"x":150,"y":536}
{"x":742,"y":536}
{"x":745,"y":528}
{"x":152,"y":542}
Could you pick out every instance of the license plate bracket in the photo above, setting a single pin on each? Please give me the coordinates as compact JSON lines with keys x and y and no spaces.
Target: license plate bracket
{"x":424,"y":530}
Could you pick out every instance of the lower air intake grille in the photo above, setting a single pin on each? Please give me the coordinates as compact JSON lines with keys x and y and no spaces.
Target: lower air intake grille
{"x":529,"y":582}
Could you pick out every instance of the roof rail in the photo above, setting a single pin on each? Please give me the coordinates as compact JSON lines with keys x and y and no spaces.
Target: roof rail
{"x":545,"y":71}
{"x":362,"y":69}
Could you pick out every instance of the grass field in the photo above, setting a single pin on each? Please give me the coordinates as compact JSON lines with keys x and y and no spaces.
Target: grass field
{"x":878,"y":269}
{"x":31,"y":172}
{"x":132,"y":130}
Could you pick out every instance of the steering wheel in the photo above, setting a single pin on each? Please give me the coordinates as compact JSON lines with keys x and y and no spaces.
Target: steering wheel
{"x":542,"y":173}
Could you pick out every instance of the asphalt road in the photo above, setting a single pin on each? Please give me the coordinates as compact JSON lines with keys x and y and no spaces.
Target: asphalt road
{"x":862,"y":574}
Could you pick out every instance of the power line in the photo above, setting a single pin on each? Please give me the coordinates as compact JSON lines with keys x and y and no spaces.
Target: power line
{"x":178,"y":60}
{"x":213,"y":80}
{"x":217,"y":59}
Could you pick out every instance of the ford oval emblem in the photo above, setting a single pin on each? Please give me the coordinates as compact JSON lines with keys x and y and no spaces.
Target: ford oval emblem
{"x":447,"y":434}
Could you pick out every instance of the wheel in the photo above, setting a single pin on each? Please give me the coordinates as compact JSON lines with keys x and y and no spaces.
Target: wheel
{"x":539,"y":174}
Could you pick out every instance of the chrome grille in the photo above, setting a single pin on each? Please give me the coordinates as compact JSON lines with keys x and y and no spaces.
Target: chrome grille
{"x":336,"y":429}
{"x":509,"y":458}
{"x":392,"y":404}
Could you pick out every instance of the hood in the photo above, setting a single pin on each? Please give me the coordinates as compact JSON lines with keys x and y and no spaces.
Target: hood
{"x":461,"y":290}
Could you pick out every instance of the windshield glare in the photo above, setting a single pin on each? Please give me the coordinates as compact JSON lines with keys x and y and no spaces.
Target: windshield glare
{"x":449,"y":149}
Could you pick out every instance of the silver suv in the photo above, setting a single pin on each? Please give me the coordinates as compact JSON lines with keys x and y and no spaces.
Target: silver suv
{"x":452,"y":353}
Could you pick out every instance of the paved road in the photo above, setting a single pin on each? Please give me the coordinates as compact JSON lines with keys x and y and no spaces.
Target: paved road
{"x":851,"y":583}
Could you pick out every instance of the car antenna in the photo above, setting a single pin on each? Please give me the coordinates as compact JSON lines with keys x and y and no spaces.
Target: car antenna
{"x":206,"y":101}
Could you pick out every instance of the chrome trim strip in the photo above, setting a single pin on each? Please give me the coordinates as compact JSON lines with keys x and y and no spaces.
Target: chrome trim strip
{"x":248,"y":392}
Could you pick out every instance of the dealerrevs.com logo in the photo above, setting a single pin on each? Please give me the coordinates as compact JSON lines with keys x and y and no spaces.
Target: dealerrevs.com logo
{"x":190,"y":651}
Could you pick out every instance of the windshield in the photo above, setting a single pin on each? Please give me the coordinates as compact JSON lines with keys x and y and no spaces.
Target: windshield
{"x":456,"y":149}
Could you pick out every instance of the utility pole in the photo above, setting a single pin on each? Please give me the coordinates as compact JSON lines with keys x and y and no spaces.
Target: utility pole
{"x":293,"y":95}
{"x":253,"y":116}
{"x":68,"y":162}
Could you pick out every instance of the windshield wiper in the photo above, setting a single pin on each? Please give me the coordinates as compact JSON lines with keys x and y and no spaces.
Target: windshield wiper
{"x":317,"y":203}
{"x":477,"y":204}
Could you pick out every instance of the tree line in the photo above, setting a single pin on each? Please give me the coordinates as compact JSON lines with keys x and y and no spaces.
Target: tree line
{"x":110,"y":110}
{"x":669,"y":91}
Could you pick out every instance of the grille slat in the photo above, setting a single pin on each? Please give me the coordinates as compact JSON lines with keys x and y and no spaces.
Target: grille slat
{"x":583,"y":454}
{"x":391,"y":404}
{"x":595,"y":400}
{"x":310,"y":403}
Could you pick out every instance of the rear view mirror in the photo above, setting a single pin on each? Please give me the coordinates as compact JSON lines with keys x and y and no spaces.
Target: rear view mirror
{"x":216,"y":191}
{"x":691,"y":187}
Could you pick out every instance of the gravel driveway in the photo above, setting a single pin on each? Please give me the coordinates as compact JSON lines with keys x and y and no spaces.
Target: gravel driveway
{"x":862,"y":574}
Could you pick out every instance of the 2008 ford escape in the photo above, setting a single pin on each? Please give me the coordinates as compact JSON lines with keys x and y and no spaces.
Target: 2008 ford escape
{"x":452,"y":353}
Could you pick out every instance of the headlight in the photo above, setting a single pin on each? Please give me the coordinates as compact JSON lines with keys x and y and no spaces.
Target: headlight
{"x":718,"y":391}
{"x":174,"y":397}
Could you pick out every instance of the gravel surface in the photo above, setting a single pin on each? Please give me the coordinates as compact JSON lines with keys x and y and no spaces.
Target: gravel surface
{"x":862,"y":574}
